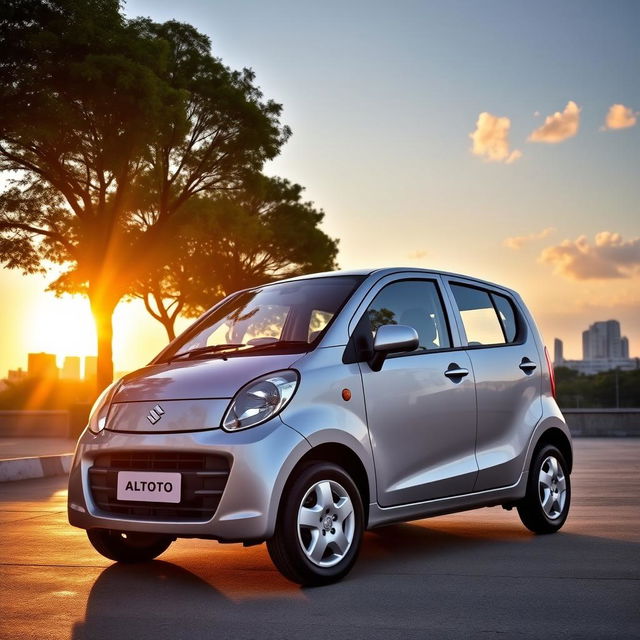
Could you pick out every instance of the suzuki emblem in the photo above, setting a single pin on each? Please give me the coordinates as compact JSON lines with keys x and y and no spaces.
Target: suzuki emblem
{"x":155,"y":414}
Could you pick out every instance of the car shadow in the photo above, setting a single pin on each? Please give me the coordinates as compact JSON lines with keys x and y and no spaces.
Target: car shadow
{"x":403,"y":567}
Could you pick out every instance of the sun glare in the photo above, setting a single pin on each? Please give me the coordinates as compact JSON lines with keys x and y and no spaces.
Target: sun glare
{"x":63,"y":326}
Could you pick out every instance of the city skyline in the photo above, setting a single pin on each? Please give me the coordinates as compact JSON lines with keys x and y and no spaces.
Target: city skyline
{"x":603,"y":348}
{"x":599,"y":347}
{"x":45,"y":365}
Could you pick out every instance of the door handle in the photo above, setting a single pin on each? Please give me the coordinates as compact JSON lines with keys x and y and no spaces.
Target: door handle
{"x":455,"y":371}
{"x":527,"y":366}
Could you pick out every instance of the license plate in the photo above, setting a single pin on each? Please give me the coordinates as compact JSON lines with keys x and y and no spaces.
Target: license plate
{"x":149,"y":486}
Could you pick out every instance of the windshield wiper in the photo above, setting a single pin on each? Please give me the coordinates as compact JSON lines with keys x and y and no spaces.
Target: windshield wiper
{"x":278,"y":343}
{"x":200,"y":351}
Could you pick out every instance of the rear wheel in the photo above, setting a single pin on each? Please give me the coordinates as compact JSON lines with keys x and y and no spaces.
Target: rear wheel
{"x":545,"y":506}
{"x":319,"y":527}
{"x":128,"y":546}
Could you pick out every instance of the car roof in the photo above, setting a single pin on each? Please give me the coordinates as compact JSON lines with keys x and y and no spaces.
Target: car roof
{"x":381,"y":272}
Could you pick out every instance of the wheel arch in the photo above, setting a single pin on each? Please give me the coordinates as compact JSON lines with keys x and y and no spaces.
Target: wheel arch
{"x":344,"y":457}
{"x":558,"y":438}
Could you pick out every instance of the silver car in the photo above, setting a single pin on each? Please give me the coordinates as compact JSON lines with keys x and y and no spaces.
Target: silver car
{"x":303,"y":412}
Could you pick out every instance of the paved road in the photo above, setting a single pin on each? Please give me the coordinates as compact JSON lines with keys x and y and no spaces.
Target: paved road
{"x":477,"y":574}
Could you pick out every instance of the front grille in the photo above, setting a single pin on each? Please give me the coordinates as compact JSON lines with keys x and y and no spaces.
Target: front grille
{"x":204,"y":477}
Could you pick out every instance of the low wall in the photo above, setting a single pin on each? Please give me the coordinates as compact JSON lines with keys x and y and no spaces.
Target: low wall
{"x":37,"y":424}
{"x":608,"y":423}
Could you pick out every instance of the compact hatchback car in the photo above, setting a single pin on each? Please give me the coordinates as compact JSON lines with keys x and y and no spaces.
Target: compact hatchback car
{"x":303,"y":412}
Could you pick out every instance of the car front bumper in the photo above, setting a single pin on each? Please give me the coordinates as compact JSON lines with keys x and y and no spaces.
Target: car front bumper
{"x":261,"y":460}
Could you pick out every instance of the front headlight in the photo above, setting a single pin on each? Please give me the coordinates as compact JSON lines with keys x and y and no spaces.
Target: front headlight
{"x":100,"y":409}
{"x":260,"y":400}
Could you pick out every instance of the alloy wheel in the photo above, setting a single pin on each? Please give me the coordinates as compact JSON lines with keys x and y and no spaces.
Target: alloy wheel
{"x":326,"y":523}
{"x":552,"y":487}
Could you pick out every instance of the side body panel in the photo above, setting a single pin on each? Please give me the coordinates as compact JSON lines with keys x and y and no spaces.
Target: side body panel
{"x":422,"y":426}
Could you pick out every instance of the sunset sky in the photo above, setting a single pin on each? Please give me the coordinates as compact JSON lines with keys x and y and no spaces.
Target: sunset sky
{"x":498,"y":139}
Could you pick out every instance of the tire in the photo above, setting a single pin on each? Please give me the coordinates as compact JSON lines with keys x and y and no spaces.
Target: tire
{"x":319,"y":528}
{"x":128,"y":546}
{"x":545,"y":507}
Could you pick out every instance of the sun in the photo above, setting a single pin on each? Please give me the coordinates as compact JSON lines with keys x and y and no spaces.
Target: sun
{"x":63,"y":326}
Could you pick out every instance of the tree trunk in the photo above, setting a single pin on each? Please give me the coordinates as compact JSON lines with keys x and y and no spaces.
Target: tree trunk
{"x":169,"y":328}
{"x":103,"y":318}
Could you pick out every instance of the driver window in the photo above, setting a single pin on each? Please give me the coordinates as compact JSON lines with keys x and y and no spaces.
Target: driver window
{"x":415,"y":303}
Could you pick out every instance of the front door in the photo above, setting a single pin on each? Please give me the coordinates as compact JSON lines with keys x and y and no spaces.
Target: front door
{"x":421,"y":406}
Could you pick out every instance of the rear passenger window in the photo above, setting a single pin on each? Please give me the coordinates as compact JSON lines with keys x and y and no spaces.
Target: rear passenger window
{"x":415,"y":303}
{"x":507,"y":316}
{"x":481,"y":323}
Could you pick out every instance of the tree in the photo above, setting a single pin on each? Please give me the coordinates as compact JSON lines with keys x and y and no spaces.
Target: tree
{"x":261,"y":232}
{"x":108,"y":129}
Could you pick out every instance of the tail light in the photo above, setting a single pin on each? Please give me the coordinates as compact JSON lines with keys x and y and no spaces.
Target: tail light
{"x":552,"y":376}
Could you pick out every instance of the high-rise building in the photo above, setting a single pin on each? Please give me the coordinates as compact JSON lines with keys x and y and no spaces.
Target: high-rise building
{"x":90,"y":367}
{"x":42,"y":365}
{"x":558,"y":352}
{"x":625,"y":347}
{"x":602,"y":340}
{"x":603,"y":349}
{"x":71,"y":368}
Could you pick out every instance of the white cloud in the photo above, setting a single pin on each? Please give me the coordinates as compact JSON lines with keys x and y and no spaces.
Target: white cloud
{"x":610,"y":257}
{"x":559,"y":126}
{"x":619,"y":117}
{"x":491,"y":139}
{"x":517,"y":242}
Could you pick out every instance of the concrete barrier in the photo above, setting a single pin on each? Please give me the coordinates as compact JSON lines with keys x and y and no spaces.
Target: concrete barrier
{"x":37,"y":424}
{"x":599,"y":423}
{"x":36,"y":467}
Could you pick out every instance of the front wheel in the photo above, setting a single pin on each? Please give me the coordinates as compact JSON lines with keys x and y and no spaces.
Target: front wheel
{"x":319,"y":527}
{"x":128,"y":546}
{"x":545,"y":506}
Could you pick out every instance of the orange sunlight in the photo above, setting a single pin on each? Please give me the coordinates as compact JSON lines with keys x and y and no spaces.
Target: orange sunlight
{"x":63,"y":326}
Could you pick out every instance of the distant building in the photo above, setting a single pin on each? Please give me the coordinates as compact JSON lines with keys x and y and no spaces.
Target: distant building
{"x":42,"y":365}
{"x":602,"y":340}
{"x":603,"y":349}
{"x":558,"y":352}
{"x":16,"y":375}
{"x":90,"y":367}
{"x":71,"y":368}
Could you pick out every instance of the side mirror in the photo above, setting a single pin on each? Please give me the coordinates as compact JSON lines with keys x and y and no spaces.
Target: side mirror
{"x":392,"y":338}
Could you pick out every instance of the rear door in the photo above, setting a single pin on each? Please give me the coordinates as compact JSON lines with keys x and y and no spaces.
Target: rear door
{"x":421,"y":414}
{"x":507,"y":369}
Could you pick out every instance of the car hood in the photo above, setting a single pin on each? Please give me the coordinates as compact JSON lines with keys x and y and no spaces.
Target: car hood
{"x":199,"y":379}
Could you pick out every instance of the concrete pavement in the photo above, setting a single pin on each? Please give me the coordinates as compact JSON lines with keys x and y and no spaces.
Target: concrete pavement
{"x":476,"y":574}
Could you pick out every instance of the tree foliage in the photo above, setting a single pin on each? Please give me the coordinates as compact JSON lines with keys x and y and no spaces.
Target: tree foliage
{"x":109,"y":128}
{"x":258,"y":233}
{"x":576,"y":390}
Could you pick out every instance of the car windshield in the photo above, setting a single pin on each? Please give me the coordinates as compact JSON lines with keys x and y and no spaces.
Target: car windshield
{"x":281,"y":316}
